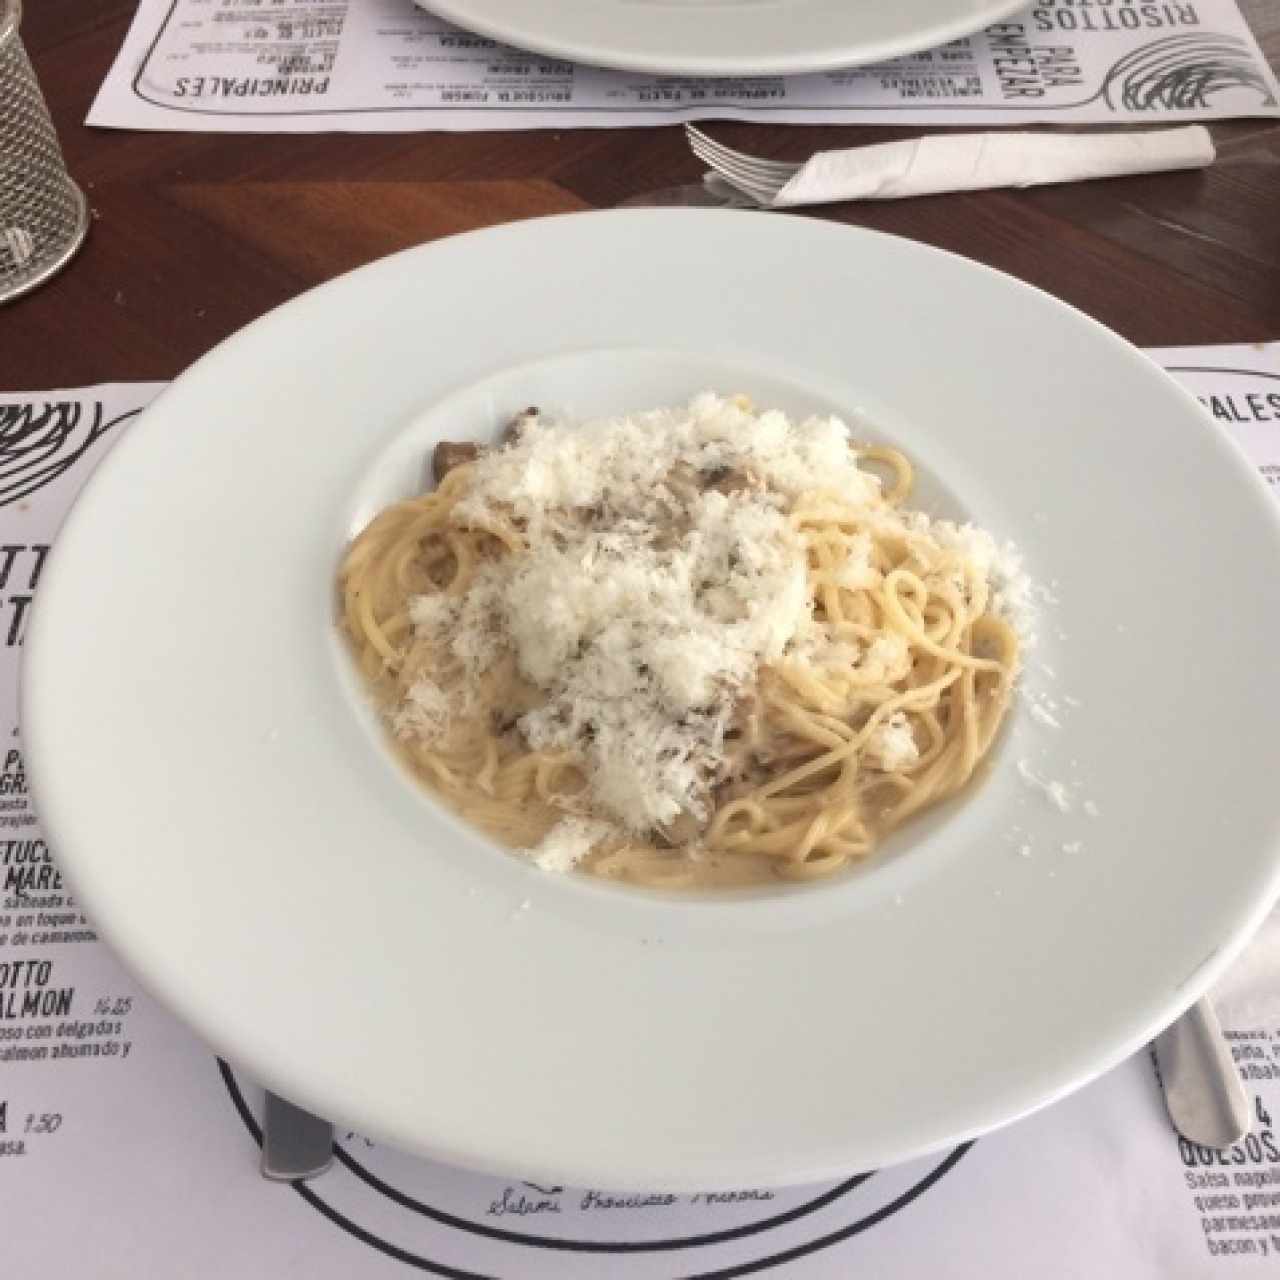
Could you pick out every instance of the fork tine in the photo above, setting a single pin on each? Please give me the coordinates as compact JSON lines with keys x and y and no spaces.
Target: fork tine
{"x":747,"y":194}
{"x":762,"y":190}
{"x":729,"y":161}
{"x":765,"y":170}
{"x":770,"y":168}
{"x":754,"y":192}
{"x":731,"y":154}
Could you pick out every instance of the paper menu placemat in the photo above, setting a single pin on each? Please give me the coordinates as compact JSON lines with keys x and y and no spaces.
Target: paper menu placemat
{"x":126,"y":1149}
{"x":374,"y":66}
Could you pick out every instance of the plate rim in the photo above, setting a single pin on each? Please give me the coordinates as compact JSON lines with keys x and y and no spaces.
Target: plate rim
{"x":814,"y":61}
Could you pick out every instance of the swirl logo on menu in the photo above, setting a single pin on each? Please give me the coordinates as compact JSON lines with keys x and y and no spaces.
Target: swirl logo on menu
{"x":1184,"y":73}
{"x":39,"y":442}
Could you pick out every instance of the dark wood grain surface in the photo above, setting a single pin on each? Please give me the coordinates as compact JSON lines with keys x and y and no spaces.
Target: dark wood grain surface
{"x":195,"y":235}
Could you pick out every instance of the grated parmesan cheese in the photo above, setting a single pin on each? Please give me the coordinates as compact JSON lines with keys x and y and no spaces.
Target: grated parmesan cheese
{"x":893,"y":743}
{"x":856,"y":573}
{"x":646,"y":599}
{"x":888,"y":652}
{"x":1056,"y":792}
{"x":434,"y":614}
{"x":1013,"y":594}
{"x":1042,"y":713}
{"x":641,"y":644}
{"x":567,"y":843}
{"x":424,"y":714}
{"x":560,"y":466}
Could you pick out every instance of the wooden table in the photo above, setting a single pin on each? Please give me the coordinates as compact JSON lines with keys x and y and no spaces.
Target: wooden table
{"x":195,"y":235}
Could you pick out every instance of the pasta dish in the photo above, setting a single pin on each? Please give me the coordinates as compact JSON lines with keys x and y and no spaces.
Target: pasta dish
{"x":694,"y":646}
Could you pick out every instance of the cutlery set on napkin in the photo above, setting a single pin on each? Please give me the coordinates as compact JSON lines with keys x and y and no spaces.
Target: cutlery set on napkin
{"x":932,"y":165}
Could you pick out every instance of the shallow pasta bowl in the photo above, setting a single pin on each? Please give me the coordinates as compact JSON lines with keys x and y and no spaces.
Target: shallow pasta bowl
{"x":219,"y":794}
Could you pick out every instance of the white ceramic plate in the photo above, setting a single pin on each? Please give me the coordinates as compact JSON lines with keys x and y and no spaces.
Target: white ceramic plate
{"x":724,"y":37}
{"x":212,"y":784}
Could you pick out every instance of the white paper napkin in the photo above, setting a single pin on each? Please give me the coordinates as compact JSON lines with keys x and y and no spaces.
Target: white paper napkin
{"x":970,"y":161}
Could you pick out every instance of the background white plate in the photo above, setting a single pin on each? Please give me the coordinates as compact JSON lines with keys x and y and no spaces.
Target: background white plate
{"x":724,"y":37}
{"x":209,"y":781}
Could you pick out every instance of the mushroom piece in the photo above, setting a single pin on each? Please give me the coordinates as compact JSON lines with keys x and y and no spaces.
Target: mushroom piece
{"x":449,"y":454}
{"x":515,"y":428}
{"x":682,"y":830}
{"x":730,"y":480}
{"x":683,"y":482}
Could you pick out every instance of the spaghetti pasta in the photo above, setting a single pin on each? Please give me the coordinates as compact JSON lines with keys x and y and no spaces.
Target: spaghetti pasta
{"x":803,"y":748}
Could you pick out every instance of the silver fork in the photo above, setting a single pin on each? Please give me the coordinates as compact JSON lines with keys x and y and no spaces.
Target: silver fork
{"x":758,"y":179}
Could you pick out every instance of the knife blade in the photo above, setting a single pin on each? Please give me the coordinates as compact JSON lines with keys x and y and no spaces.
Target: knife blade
{"x":1203,"y":1091}
{"x":295,"y":1144}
